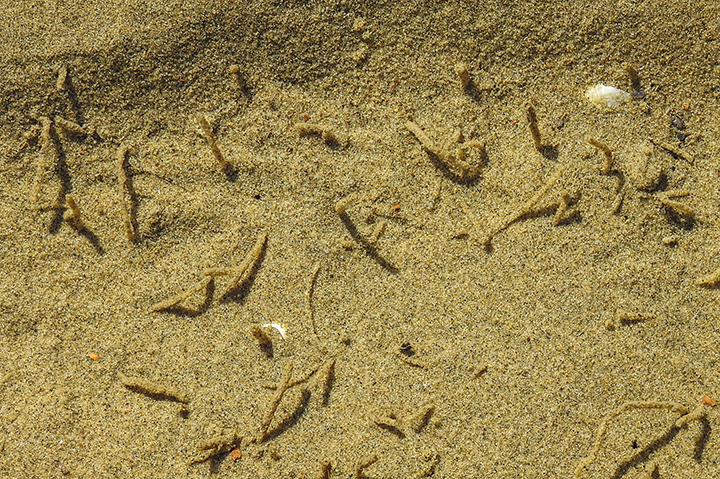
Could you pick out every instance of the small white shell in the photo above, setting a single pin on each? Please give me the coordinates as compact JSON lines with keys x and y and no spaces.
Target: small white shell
{"x":277,"y":327}
{"x":603,"y":95}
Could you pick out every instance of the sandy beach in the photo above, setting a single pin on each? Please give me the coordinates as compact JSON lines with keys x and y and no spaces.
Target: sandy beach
{"x":321,"y":240}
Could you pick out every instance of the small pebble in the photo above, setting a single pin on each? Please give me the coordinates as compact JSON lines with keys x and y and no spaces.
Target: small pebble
{"x":678,"y":123}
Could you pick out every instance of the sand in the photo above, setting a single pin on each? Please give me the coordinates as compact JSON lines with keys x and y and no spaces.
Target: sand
{"x":446,"y":326}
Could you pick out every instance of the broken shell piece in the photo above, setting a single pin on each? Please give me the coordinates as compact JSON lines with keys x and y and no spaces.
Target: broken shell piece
{"x":277,"y":327}
{"x":603,"y":95}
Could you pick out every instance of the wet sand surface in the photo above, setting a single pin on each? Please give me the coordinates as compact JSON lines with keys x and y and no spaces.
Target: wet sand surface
{"x":470,"y":307}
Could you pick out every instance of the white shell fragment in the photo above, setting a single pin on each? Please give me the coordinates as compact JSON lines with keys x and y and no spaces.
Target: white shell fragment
{"x":277,"y":327}
{"x":603,"y":95}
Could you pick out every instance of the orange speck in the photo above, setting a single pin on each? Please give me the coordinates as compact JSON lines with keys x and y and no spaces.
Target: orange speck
{"x":687,"y":106}
{"x":305,"y":117}
{"x":93,"y":356}
{"x":396,"y":207}
{"x":708,"y":401}
{"x":126,"y":411}
{"x":235,"y":454}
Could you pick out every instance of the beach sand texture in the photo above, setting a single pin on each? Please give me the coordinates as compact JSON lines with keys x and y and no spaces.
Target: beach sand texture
{"x":320,"y":239}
